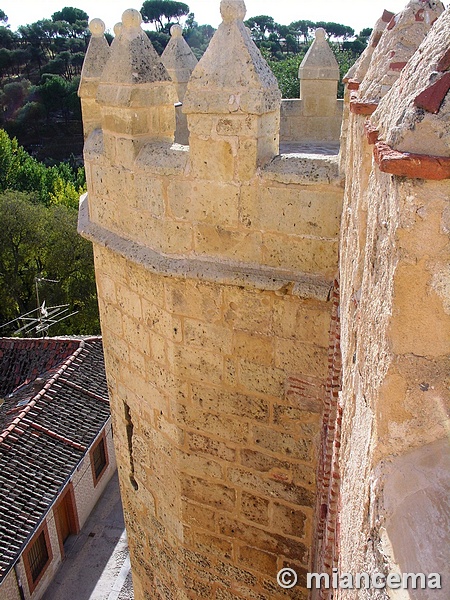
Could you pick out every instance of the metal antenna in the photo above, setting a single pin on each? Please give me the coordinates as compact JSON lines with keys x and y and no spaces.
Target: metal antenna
{"x":41,"y":318}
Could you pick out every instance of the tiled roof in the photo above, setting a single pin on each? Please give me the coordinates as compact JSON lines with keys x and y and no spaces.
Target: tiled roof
{"x":56,"y":405}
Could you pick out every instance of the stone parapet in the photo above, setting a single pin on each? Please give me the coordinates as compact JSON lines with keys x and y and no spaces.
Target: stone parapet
{"x":135,"y":94}
{"x":179,"y":61}
{"x":214,"y":264}
{"x":97,"y":56}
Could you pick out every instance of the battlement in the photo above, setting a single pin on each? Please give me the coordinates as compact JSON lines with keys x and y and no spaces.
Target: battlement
{"x":257,"y":401}
{"x":227,"y":197}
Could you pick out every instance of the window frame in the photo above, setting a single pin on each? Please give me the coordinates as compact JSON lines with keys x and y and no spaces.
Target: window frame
{"x":41,"y":531}
{"x":99,"y":441}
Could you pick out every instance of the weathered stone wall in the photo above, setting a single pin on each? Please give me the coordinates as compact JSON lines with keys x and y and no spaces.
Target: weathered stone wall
{"x":395,"y":321}
{"x":214,"y":265}
{"x":224,"y":387}
{"x":9,"y":588}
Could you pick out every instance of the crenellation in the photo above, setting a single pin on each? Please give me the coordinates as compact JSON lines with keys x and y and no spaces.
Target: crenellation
{"x":97,"y":56}
{"x":255,"y":442}
{"x":179,"y":61}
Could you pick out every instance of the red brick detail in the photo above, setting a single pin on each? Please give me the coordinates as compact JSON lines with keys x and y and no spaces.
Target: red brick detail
{"x":444,"y":62}
{"x":353,"y":84}
{"x":387,"y":16}
{"x":414,"y":166}
{"x":371,"y":132}
{"x":432,"y":98}
{"x":419,"y":16}
{"x":326,"y":549}
{"x":363,"y":108}
{"x":397,"y":66}
{"x":392,"y":23}
{"x":376,"y":39}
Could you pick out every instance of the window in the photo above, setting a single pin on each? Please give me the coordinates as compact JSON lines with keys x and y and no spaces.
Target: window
{"x":37,"y":557}
{"x":99,"y":458}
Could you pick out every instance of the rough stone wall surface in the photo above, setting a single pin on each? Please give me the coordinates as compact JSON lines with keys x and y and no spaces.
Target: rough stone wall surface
{"x":86,"y":494}
{"x":398,"y":43}
{"x":9,"y":589}
{"x":224,"y":388}
{"x":395,"y":324}
{"x":214,"y":264}
{"x":420,"y":128}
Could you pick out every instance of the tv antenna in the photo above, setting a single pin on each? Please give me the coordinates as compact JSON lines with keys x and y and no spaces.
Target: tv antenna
{"x":40,"y":319}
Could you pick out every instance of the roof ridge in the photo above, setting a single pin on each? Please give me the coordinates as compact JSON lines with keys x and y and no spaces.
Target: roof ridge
{"x":67,"y":363}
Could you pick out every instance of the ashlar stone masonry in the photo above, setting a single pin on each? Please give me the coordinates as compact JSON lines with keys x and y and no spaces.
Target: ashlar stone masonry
{"x":229,"y":280}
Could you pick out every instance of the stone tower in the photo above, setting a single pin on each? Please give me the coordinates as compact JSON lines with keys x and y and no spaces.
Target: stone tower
{"x":244,"y":444}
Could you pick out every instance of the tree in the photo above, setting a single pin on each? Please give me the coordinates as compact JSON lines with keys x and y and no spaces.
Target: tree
{"x":155,"y":11}
{"x":3,"y":17}
{"x":21,"y":256}
{"x":336,"y":30}
{"x":302,"y":28}
{"x":261,"y":26}
{"x":70,"y":14}
{"x":42,"y":242}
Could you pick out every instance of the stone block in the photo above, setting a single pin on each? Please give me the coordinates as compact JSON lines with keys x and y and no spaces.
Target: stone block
{"x":204,"y":335}
{"x":284,"y":445}
{"x":304,"y":321}
{"x":254,"y":348}
{"x":257,"y":560}
{"x":260,"y":378}
{"x":150,"y":196}
{"x":206,"y":492}
{"x":228,"y":243}
{"x":288,"y":520}
{"x":208,"y":202}
{"x":313,"y":211}
{"x":197,"y":365}
{"x":204,"y":445}
{"x":260,"y":538}
{"x":308,"y":255}
{"x":228,"y":402}
{"x":211,"y":156}
{"x":303,"y":358}
{"x":248,"y":310}
{"x":199,"y":516}
{"x":253,"y":508}
{"x":218,"y":426}
{"x":210,"y":545}
{"x":194,"y":299}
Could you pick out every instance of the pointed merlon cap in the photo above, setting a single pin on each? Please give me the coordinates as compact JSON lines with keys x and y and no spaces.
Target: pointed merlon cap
{"x":117,"y":31}
{"x":400,"y":40}
{"x":359,"y":69}
{"x":414,"y":117}
{"x":232,"y":76}
{"x":133,"y":59}
{"x":319,"y":61}
{"x":97,"y":56}
{"x":178,"y":57}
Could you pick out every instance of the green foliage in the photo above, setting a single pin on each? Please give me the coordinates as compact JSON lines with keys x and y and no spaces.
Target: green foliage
{"x":159,"y":40}
{"x":70,"y":14}
{"x":345,"y":59}
{"x":42,"y":242}
{"x":3,"y":17}
{"x":57,"y":185}
{"x":163,"y":13}
{"x":286,"y":72}
{"x":197,"y":36}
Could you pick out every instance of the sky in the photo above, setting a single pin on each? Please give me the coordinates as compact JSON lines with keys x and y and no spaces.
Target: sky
{"x":357,"y":14}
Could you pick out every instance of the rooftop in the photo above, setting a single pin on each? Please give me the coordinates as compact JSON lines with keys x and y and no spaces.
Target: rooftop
{"x":56,"y":403}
